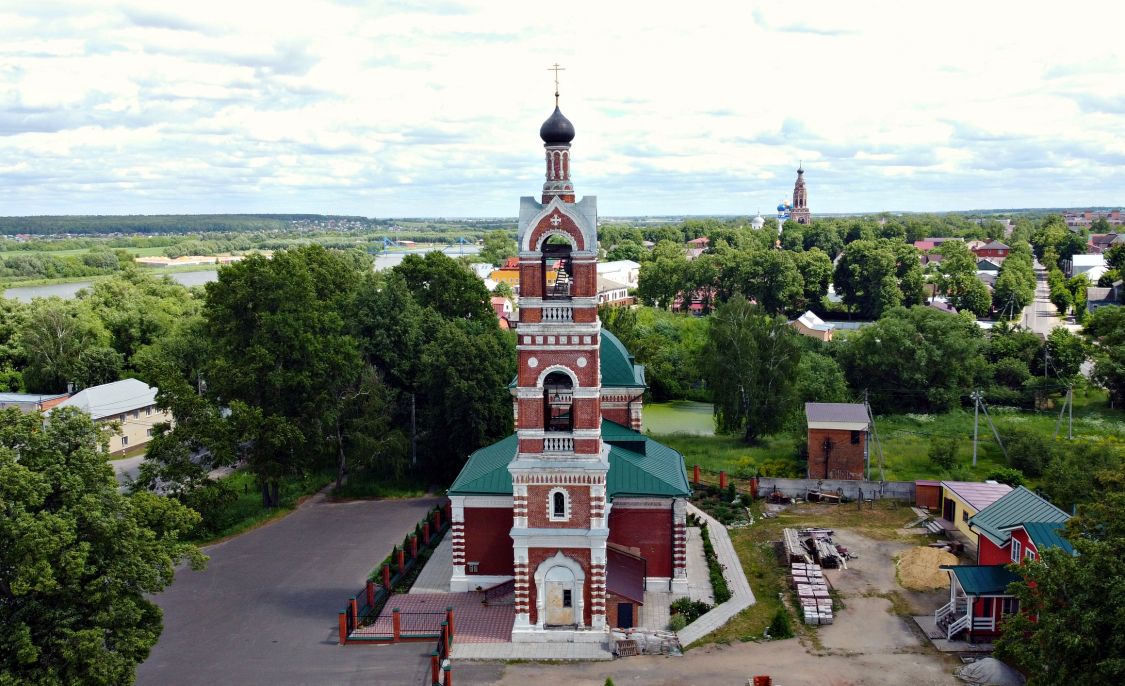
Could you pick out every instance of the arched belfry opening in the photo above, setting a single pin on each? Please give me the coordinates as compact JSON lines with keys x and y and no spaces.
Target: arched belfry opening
{"x":558,"y":401}
{"x":557,"y":268}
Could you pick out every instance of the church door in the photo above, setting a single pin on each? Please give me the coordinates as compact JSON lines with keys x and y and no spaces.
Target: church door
{"x":561,"y":591}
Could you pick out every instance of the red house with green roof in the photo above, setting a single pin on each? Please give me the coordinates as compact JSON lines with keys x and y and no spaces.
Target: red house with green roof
{"x":1014,"y":528}
{"x":578,"y":510}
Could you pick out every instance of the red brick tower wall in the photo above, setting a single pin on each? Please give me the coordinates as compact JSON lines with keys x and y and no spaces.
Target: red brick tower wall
{"x":648,"y":530}
{"x":845,"y":460}
{"x":487,"y":541}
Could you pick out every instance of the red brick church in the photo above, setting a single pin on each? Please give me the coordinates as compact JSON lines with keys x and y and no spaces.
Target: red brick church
{"x":578,"y":508}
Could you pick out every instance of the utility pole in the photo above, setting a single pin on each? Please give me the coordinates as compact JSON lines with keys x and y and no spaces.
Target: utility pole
{"x":1070,"y":419}
{"x":975,"y":395}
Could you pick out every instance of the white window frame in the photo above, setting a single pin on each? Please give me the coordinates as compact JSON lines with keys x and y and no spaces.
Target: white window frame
{"x":1028,"y":554}
{"x":551,"y":516}
{"x":1017,"y":549}
{"x":124,"y":441}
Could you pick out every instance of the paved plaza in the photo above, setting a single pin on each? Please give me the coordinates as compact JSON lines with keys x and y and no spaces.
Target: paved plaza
{"x":265,"y":611}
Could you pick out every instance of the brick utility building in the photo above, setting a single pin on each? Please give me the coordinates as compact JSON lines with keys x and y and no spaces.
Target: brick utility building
{"x":838,"y":440}
{"x":578,"y":508}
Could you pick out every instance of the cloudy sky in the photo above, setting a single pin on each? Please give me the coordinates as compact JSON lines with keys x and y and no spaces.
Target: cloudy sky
{"x":433,"y":108}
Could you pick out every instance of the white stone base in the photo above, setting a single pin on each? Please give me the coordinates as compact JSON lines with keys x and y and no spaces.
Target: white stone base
{"x":680,"y":586}
{"x":460,"y":583}
{"x":536,"y":634}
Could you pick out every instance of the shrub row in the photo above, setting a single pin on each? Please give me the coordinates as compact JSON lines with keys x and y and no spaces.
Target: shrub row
{"x":718,"y":582}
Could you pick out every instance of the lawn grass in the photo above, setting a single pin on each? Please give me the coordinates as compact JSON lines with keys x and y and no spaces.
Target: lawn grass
{"x":905,"y":441}
{"x":366,"y":485}
{"x":247,"y":512}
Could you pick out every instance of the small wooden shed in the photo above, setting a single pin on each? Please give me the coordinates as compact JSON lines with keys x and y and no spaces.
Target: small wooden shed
{"x":927,"y":494}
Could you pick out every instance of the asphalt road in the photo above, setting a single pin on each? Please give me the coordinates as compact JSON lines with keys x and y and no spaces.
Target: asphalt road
{"x":1041,"y":316}
{"x":265,"y":609}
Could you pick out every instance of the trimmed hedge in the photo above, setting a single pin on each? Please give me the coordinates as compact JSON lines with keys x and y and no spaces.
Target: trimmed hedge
{"x":719,"y":586}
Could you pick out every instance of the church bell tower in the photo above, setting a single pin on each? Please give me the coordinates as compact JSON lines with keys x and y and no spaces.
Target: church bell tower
{"x":559,"y":472}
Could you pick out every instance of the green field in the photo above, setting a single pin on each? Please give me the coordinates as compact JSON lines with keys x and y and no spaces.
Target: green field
{"x":136,"y":252}
{"x":905,"y":439}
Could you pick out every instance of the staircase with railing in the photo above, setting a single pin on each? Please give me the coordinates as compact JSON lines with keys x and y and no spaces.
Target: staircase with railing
{"x":501,"y":594}
{"x":953,"y":617}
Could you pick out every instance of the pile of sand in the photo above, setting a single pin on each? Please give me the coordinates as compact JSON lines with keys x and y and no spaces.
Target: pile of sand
{"x":919,"y":568}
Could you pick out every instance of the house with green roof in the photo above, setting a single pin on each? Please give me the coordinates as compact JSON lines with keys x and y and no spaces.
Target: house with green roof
{"x":1015,"y":528}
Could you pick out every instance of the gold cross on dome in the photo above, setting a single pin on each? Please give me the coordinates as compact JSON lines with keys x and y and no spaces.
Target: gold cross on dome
{"x":556,"y":68}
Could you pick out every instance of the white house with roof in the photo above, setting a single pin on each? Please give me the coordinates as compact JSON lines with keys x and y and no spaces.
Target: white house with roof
{"x":1093,"y":266}
{"x":130,"y":403}
{"x":808,"y":324}
{"x":624,"y":272}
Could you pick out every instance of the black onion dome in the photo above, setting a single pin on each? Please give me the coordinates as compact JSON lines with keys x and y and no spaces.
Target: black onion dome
{"x":557,"y":130}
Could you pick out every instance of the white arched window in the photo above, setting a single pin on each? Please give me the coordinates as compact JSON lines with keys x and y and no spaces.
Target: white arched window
{"x":558,"y":505}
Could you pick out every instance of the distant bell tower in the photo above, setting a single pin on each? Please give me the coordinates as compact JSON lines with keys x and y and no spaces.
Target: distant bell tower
{"x":560,"y":524}
{"x":800,"y":212}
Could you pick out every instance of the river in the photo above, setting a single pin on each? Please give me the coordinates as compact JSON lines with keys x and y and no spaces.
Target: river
{"x":189,"y":279}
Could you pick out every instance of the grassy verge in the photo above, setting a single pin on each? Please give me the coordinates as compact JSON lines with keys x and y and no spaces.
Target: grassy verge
{"x":246,"y":511}
{"x":776,"y":455}
{"x":366,"y":485}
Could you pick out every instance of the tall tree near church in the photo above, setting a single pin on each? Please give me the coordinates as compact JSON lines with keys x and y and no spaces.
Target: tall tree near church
{"x":78,"y":560}
{"x":282,"y":355}
{"x":750,"y":363}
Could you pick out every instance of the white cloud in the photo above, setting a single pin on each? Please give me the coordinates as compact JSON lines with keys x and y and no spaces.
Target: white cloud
{"x":389,"y":109}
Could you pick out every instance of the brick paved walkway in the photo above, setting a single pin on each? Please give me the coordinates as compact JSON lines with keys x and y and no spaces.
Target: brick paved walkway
{"x":424,"y":612}
{"x":741,"y":595}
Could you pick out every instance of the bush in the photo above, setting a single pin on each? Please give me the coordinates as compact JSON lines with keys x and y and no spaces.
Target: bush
{"x":1027,"y":451}
{"x":943,"y":451}
{"x":689,"y":609}
{"x":213,"y":503}
{"x":779,"y":625}
{"x":677,"y":623}
{"x":1007,"y":475}
{"x":719,"y":586}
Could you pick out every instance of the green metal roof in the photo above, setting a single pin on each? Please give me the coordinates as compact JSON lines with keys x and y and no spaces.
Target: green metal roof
{"x":486,"y":472}
{"x":618,"y":366}
{"x":638,"y":466}
{"x":1047,"y":535}
{"x":1015,"y":507}
{"x":983,"y":579}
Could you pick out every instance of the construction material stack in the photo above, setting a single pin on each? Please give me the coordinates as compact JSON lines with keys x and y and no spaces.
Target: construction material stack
{"x":812,"y":592}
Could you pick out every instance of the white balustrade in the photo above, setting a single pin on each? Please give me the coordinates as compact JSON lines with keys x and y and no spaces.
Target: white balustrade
{"x":557,"y":313}
{"x":553,"y":444}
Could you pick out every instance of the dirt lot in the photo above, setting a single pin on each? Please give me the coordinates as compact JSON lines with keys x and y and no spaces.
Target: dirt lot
{"x":873,"y":642}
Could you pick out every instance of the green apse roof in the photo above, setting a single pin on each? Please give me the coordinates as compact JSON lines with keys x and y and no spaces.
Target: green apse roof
{"x":983,"y":579}
{"x":1015,"y":507}
{"x":619,"y":368}
{"x":638,"y":466}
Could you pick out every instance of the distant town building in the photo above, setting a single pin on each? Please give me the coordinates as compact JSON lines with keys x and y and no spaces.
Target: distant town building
{"x":1081,"y":220}
{"x":1100,"y":242}
{"x":989,"y":249}
{"x":1093,"y":266}
{"x":800,"y":212}
{"x":613,"y":293}
{"x":757,"y":222}
{"x":625,"y":272}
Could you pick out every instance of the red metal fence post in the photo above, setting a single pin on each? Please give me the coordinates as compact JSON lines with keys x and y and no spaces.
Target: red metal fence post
{"x":426,"y":532}
{"x":434,"y":667}
{"x":448,"y":674}
{"x":370,"y":593}
{"x":396,"y":624}
{"x":355,"y":614}
{"x":695,"y":475}
{"x":343,"y":628}
{"x":413,"y":546}
{"x":722,"y":479}
{"x":401,"y":560}
{"x":449,"y":618}
{"x":445,"y":635}
{"x":387,"y":577}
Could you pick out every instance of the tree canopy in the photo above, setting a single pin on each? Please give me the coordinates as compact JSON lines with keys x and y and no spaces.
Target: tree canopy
{"x":78,"y":559}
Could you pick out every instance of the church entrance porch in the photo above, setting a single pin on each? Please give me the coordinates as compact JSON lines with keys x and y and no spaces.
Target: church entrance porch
{"x":561,"y":594}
